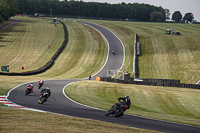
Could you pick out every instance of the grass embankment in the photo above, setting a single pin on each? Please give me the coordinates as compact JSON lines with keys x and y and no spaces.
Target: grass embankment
{"x":25,"y":44}
{"x":84,"y":55}
{"x":20,"y":121}
{"x":163,"y":56}
{"x":164,"y":103}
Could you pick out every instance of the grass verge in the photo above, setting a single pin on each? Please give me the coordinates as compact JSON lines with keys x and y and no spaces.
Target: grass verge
{"x":164,"y":103}
{"x":20,"y":121}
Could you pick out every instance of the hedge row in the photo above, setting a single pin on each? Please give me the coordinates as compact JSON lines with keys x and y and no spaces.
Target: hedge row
{"x":48,"y":64}
{"x":152,"y":82}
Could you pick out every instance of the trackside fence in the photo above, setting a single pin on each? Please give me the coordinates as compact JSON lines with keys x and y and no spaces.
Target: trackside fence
{"x":48,"y":64}
{"x":135,"y":57}
{"x":151,"y":82}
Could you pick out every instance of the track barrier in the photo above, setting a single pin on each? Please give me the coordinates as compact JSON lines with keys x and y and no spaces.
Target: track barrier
{"x":151,"y":82}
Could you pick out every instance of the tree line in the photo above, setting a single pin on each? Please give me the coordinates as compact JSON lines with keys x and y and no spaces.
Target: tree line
{"x":8,"y":8}
{"x":134,"y":11}
{"x":177,"y":17}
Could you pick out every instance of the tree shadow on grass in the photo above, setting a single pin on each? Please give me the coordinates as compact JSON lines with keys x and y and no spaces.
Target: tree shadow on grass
{"x":3,"y":35}
{"x":4,"y":41}
{"x":12,"y":28}
{"x":2,"y":45}
{"x":1,"y":39}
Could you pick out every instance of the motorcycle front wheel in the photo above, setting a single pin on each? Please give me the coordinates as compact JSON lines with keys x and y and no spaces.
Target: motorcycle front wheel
{"x":27,"y":92}
{"x":107,"y":113}
{"x":119,"y":113}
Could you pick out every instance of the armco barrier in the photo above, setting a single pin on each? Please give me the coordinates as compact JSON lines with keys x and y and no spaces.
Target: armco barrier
{"x":153,"y":82}
{"x":135,"y":58}
{"x":48,"y":64}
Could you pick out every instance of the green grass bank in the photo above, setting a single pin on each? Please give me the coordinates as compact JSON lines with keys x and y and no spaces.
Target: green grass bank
{"x":162,"y":56}
{"x":164,"y":103}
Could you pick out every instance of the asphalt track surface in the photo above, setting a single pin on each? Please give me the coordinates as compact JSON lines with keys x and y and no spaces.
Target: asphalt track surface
{"x":59,"y":103}
{"x":9,"y":24}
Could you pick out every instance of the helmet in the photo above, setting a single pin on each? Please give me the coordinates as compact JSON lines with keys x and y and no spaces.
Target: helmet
{"x":31,"y":85}
{"x":126,"y":96}
{"x":41,"y":81}
{"x":47,"y":88}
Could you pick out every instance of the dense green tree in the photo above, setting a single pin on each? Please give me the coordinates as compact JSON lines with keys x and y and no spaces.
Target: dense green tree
{"x":13,"y":7}
{"x":156,"y":17}
{"x":189,"y":17}
{"x":167,"y":12}
{"x":8,"y":8}
{"x":177,"y":16}
{"x":1,"y":18}
{"x":4,"y":10}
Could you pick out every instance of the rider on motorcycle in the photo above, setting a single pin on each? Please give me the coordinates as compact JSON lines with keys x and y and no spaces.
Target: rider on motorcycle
{"x":30,"y":86}
{"x":124,"y":105}
{"x":40,"y":84}
{"x":126,"y":101}
{"x":45,"y":93}
{"x":47,"y":89}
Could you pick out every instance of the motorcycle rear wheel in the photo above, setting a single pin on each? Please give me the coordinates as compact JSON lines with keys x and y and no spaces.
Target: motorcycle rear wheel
{"x":42,"y":101}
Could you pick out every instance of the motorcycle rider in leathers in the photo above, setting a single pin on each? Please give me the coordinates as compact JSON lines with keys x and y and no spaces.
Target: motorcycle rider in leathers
{"x":47,"y":89}
{"x":30,"y":86}
{"x":40,"y":83}
{"x":126,"y":101}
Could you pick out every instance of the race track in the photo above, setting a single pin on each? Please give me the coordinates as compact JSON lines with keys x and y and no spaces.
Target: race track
{"x":59,"y":103}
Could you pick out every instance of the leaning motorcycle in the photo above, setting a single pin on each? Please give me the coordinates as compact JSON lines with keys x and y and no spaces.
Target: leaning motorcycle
{"x":39,"y":85}
{"x":28,"y":90}
{"x":43,"y":98}
{"x":117,"y":110}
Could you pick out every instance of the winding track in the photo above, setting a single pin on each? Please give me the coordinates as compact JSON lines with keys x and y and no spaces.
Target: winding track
{"x":58,"y":103}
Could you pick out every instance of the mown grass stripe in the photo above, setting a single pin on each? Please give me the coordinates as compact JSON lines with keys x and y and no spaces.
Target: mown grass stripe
{"x":155,"y":102}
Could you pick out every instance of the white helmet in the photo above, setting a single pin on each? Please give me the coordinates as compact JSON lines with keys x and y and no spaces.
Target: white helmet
{"x":126,"y":96}
{"x":31,"y":85}
{"x":41,"y":81}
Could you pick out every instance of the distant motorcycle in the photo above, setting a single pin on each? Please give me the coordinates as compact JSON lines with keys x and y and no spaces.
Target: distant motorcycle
{"x":113,"y":52}
{"x":117,"y":110}
{"x":40,"y":83}
{"x":43,"y":98}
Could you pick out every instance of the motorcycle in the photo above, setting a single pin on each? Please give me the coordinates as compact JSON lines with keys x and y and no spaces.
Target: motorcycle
{"x":39,"y":85}
{"x":43,"y":98}
{"x":117,"y":110}
{"x":28,"y":90}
